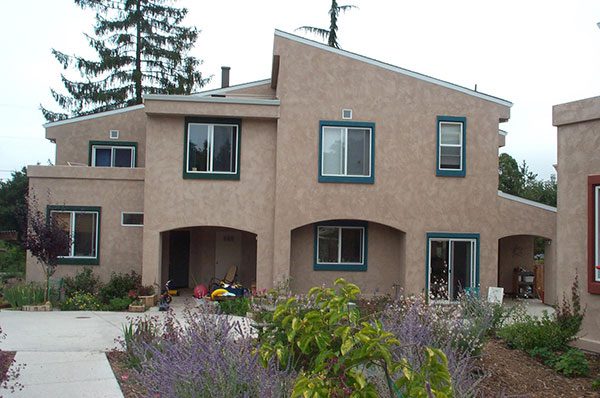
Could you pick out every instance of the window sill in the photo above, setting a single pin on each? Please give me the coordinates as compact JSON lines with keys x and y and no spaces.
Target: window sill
{"x":78,"y":261}
{"x":347,"y":180}
{"x":210,"y":176}
{"x":450,"y":173}
{"x":340,"y":267}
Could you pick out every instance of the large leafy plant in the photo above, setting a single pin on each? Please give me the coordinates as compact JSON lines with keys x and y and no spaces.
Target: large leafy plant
{"x":338,"y":354}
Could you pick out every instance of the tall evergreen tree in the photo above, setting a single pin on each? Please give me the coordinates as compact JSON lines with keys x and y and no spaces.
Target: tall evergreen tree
{"x":141,"y":49}
{"x":331,"y":33}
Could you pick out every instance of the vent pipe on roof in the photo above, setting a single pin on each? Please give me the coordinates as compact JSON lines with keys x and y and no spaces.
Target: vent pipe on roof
{"x":225,"y":76}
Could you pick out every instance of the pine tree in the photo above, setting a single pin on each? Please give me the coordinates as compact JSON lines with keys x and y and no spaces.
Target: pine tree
{"x":141,"y":49}
{"x":331,"y":34}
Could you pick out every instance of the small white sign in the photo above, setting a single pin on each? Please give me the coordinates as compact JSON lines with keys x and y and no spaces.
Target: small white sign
{"x":495,"y":295}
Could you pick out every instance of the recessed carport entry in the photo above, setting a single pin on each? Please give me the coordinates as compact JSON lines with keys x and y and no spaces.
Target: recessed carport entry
{"x":195,"y":255}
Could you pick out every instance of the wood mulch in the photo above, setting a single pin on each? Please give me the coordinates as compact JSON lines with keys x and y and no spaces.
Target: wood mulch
{"x":508,"y":374}
{"x":513,"y":373}
{"x":6,"y":359}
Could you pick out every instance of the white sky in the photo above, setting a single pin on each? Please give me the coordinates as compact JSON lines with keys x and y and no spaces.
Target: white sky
{"x":534,"y":53}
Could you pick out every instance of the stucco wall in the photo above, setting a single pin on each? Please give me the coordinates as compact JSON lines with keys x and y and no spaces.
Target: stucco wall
{"x":120,"y":247}
{"x":72,"y":139}
{"x":172,"y":202}
{"x":316,"y":85}
{"x":386,"y":262}
{"x":578,"y":158}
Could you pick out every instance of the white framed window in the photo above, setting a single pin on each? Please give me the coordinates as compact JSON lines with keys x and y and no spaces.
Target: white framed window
{"x":212,"y":148}
{"x":83,"y":227}
{"x":132,"y":219}
{"x":451,"y":145}
{"x":346,"y":151}
{"x":347,"y":114}
{"x":596,"y":233}
{"x":113,"y":134}
{"x":340,"y":245}
{"x":112,"y":155}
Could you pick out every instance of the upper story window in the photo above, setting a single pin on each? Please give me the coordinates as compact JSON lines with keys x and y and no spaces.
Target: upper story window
{"x":346,"y":152}
{"x":112,"y":154}
{"x":132,"y":219}
{"x":83,"y":226}
{"x":212,"y":148}
{"x":451,"y":134}
{"x":341,"y":246}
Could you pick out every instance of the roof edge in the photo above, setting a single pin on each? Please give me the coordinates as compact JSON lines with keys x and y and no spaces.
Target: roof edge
{"x":393,"y":68}
{"x":526,"y":201}
{"x":240,"y":86}
{"x":93,"y":116}
{"x":220,"y":100}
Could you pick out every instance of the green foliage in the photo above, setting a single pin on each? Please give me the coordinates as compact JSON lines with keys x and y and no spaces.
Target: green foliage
{"x":238,"y":306}
{"x":530,"y":332}
{"x":12,"y":261}
{"x":569,"y":315}
{"x":118,"y":304}
{"x":520,"y":181}
{"x":331,"y":33}
{"x":547,"y":356}
{"x":84,"y":282}
{"x":13,"y":194}
{"x":139,"y":331}
{"x":120,"y":285}
{"x":141,"y":47}
{"x":24,"y":294}
{"x":331,"y":346}
{"x":596,"y":384}
{"x":572,"y":363}
{"x":81,"y":302}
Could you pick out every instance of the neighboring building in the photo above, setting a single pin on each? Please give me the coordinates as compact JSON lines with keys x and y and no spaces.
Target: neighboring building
{"x":336,"y":166}
{"x":578,"y":234}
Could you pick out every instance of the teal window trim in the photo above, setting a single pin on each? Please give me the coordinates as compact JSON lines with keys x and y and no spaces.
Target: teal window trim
{"x":79,"y":260}
{"x":113,"y":144}
{"x":451,"y":172}
{"x":451,"y":235}
{"x":346,"y":179}
{"x":362,"y":267}
{"x":203,"y":175}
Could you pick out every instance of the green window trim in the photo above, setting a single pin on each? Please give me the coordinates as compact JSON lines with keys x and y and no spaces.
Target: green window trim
{"x":445,"y":172}
{"x":211,"y":175}
{"x":358,"y":267}
{"x":113,"y":144}
{"x":79,"y":260}
{"x":352,"y":179}
{"x":451,"y":236}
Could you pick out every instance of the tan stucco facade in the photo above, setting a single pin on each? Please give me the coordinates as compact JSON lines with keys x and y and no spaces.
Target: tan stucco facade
{"x":278,"y":197}
{"x":578,"y":126}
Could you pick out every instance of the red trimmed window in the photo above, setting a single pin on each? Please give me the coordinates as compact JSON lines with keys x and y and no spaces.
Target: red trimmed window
{"x":594,"y":234}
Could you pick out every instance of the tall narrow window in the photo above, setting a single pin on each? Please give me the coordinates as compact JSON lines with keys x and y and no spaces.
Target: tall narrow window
{"x":593,"y":277}
{"x":451,"y":133}
{"x":341,"y":245}
{"x":212,"y":150}
{"x":346,"y":152}
{"x":83,"y":226}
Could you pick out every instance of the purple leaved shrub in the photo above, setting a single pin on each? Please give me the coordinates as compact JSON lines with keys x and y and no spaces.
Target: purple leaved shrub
{"x":201,"y":355}
{"x":459,"y":330}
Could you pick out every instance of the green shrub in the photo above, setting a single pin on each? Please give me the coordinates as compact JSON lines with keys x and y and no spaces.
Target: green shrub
{"x":596,"y":384}
{"x":118,"y":304}
{"x":238,"y":306}
{"x":545,"y":355}
{"x":12,"y":258}
{"x":24,"y":294}
{"x":569,"y":315}
{"x":572,"y":363}
{"x":120,"y":285}
{"x":530,"y":332}
{"x":81,"y":302}
{"x":84,"y":282}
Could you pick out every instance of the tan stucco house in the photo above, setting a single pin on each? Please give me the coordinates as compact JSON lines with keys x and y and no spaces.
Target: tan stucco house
{"x":337,"y":166}
{"x":578,"y":234}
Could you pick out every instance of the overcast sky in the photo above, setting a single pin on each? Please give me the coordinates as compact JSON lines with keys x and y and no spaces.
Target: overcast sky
{"x":534,"y":53}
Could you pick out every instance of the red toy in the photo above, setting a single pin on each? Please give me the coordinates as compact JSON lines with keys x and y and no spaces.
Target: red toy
{"x":200,"y":291}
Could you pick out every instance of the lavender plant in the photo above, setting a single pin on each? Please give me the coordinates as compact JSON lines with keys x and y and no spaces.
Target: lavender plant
{"x":10,"y":370}
{"x":200,"y":356}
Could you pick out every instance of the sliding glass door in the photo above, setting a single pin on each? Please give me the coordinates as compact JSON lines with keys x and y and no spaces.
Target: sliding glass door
{"x":451,"y":265}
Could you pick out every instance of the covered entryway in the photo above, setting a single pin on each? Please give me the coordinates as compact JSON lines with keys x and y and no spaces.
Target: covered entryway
{"x":195,"y":255}
{"x":521,"y":260}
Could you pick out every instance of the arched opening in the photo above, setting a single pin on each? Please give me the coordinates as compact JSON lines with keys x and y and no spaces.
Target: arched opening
{"x":195,"y":255}
{"x":366,"y":253}
{"x":521,"y":263}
